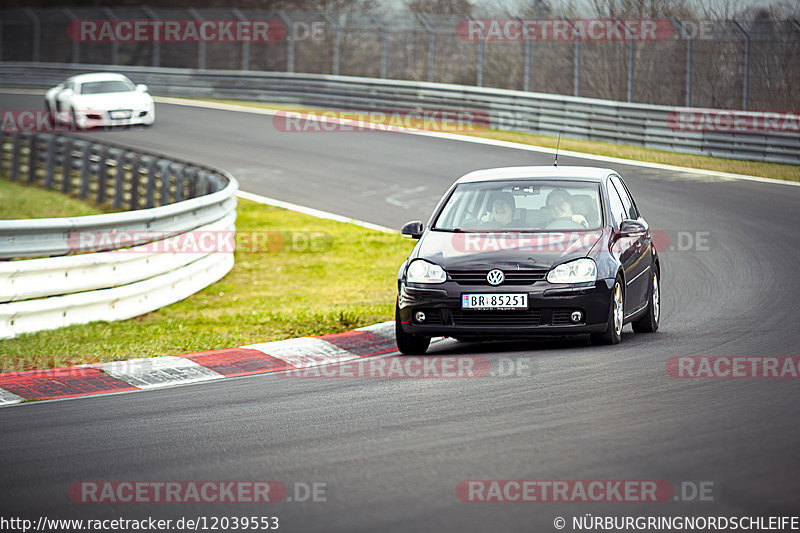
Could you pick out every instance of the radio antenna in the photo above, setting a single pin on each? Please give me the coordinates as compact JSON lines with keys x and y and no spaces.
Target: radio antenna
{"x":558,"y":143}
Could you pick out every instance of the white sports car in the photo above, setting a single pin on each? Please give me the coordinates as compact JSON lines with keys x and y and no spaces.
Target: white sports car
{"x":100,"y":99}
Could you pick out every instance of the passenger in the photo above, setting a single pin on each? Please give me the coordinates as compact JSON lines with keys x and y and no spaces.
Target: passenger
{"x":559,"y":203}
{"x":501,"y":209}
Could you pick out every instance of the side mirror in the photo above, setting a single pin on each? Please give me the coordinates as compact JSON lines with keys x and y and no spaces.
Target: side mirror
{"x":631,"y":227}
{"x":412,"y":230}
{"x":142,"y":88}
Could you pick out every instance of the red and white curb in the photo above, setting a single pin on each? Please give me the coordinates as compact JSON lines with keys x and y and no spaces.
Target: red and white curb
{"x":156,"y":372}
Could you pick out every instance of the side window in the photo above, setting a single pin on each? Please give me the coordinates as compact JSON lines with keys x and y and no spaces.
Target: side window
{"x":617,"y":209}
{"x":630,"y":209}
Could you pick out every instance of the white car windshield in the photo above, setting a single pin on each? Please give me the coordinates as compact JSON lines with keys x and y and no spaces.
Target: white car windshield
{"x":109,"y":86}
{"x":522,"y":205}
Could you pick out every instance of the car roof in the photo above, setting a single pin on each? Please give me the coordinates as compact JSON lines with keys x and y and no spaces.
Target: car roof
{"x":97,"y":76}
{"x":595,"y":174}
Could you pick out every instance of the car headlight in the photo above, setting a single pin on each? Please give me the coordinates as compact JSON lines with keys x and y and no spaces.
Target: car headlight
{"x":578,"y":271}
{"x":420,"y":271}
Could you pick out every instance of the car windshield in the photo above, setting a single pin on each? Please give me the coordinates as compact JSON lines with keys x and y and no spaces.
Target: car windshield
{"x":109,"y":86}
{"x":522,"y":205}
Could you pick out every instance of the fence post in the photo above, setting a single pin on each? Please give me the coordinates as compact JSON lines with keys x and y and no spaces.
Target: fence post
{"x":15,"y":158}
{"x":746,"y":67}
{"x":32,"y":157}
{"x":631,"y":63}
{"x":289,"y":40}
{"x":156,"y":59}
{"x":336,"y":42}
{"x":384,"y":45}
{"x":102,"y":174}
{"x":36,"y":34}
{"x":576,"y":64}
{"x":201,"y":45}
{"x":76,"y":51}
{"x":115,"y":43}
{"x":431,"y":45}
{"x":66,"y":164}
{"x":245,"y":43}
{"x":49,"y":164}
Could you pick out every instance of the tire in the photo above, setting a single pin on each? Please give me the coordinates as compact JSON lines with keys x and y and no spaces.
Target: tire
{"x":51,"y":115}
{"x":616,"y":317}
{"x":407,"y":343}
{"x":649,"y":322}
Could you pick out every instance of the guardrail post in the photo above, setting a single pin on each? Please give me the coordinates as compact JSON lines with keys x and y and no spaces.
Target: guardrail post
{"x":86,"y":169}
{"x":151,"y":183}
{"x":50,"y":161}
{"x":136,"y":163}
{"x":745,"y":67}
{"x":180,"y":180}
{"x":66,"y":165}
{"x":102,"y":173}
{"x":201,"y":44}
{"x":15,"y":157}
{"x":115,"y":43}
{"x":156,"y":50}
{"x":164,"y":168}
{"x":123,"y":159}
{"x":245,"y":43}
{"x":289,"y":40}
{"x":192,"y":175}
{"x":76,"y":51}
{"x":36,"y":34}
{"x":336,"y":42}
{"x":32,"y":157}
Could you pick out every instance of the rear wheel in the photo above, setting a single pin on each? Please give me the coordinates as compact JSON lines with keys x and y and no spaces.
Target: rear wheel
{"x":406,"y":342}
{"x":616,"y":317}
{"x":649,"y":322}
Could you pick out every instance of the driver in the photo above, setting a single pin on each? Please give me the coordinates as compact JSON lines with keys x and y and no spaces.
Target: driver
{"x":501,"y":209}
{"x":559,"y":204}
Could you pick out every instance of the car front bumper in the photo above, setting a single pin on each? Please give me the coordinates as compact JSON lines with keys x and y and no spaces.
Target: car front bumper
{"x":549,"y":311}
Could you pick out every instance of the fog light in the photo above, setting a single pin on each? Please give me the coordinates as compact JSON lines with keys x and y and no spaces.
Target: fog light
{"x":419,"y":316}
{"x":576,"y":316}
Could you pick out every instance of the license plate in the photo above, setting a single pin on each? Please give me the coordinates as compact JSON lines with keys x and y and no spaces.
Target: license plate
{"x":120,"y":114}
{"x":494,"y":301}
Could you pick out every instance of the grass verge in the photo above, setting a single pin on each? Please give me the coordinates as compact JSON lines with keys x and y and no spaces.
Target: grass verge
{"x":303,"y":276}
{"x":637,"y":153}
{"x":20,"y":201}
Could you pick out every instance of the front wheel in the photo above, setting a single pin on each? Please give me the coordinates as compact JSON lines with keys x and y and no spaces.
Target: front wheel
{"x":406,"y":342}
{"x":649,"y":322}
{"x":616,"y":317}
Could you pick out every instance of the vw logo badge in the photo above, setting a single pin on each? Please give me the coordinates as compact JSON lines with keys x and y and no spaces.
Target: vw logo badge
{"x":495,"y":277}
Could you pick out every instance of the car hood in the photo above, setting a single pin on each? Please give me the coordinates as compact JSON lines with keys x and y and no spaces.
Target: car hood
{"x":106,"y":101}
{"x":481,"y":251}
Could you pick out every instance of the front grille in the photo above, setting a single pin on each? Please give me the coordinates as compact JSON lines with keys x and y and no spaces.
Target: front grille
{"x":562,"y":316}
{"x":513,"y":277}
{"x":466,"y":317}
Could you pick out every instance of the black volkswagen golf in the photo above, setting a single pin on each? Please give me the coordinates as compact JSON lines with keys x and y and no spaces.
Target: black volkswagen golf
{"x":527,"y":251}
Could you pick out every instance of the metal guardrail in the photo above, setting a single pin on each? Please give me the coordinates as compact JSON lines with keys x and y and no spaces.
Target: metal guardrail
{"x":123,"y":276}
{"x":538,"y":113}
